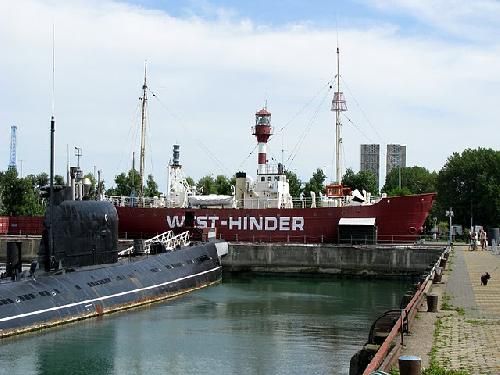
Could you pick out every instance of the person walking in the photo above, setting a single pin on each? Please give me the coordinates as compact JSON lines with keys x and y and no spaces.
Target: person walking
{"x":482,"y":239}
{"x":473,"y":240}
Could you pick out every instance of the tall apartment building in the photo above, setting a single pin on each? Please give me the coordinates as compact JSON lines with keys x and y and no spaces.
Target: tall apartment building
{"x":370,"y":160}
{"x":396,"y":157}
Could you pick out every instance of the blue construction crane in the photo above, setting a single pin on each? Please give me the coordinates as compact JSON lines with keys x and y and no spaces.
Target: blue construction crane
{"x":13,"y":142}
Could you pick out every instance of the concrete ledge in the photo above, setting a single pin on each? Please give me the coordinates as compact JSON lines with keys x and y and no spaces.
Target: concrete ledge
{"x":369,"y":261}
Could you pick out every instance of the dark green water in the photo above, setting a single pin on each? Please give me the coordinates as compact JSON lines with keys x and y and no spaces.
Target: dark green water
{"x":257,"y":325}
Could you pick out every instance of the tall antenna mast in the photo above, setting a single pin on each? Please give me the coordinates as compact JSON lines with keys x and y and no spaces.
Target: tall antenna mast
{"x":338,"y":105}
{"x":50,"y":251}
{"x":144,"y":100}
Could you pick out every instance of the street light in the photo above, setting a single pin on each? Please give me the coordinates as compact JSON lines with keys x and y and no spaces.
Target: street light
{"x":449,"y":213}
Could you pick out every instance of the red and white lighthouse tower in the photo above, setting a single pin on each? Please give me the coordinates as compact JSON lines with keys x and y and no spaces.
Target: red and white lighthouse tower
{"x":262,"y":131}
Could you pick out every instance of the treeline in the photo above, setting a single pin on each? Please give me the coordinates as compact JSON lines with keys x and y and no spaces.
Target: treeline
{"x":469,"y":182}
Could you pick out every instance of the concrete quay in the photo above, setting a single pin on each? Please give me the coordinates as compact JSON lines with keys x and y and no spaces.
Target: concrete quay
{"x":465,"y":333}
{"x":343,"y":260}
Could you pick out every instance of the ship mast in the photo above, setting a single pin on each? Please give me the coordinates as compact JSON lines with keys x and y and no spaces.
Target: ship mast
{"x":338,"y":105}
{"x":144,"y":100}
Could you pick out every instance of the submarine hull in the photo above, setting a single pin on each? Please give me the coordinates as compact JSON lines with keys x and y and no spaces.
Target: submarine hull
{"x":53,"y":299}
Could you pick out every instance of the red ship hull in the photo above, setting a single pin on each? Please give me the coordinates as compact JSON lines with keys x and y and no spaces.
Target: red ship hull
{"x":397,"y":219}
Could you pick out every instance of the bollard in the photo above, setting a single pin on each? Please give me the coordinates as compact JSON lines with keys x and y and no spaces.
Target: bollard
{"x":410,"y":365}
{"x":442,"y":263}
{"x":438,"y":275}
{"x":432,"y":302}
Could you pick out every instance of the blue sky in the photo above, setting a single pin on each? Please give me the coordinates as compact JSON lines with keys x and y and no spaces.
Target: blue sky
{"x":418,"y":72}
{"x":273,"y":13}
{"x":318,"y":13}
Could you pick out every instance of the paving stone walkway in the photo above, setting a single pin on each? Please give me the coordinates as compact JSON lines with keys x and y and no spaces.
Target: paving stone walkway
{"x":465,"y":333}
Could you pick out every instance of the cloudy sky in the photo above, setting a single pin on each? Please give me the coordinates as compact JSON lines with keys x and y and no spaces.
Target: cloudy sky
{"x":418,"y":72}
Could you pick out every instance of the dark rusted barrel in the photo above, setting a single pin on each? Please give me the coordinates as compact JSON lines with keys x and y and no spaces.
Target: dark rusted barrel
{"x":442,"y":263}
{"x":432,"y":303}
{"x":410,"y":365}
{"x":438,"y":275}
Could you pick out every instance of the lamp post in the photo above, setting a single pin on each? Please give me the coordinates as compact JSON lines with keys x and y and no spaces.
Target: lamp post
{"x":449,"y":213}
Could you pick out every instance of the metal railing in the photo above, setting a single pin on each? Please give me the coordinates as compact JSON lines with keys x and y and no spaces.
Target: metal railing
{"x":167,"y":239}
{"x":382,"y":359}
{"x":144,"y":202}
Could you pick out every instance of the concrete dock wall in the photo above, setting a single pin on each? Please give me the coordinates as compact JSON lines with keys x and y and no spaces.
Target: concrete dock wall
{"x":331,"y":259}
{"x":30,"y":245}
{"x":371,"y":260}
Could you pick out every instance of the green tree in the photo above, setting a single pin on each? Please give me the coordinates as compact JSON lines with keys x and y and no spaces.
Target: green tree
{"x":126,"y":184}
{"x":190,"y":181}
{"x":58,"y":180}
{"x":294,"y":182}
{"x":414,"y":180}
{"x":206,"y":185}
{"x":470,"y":183}
{"x":151,"y":189}
{"x":223,"y":185}
{"x":42,"y":180}
{"x":363,"y":180}
{"x":19,"y":196}
{"x":316,"y":183}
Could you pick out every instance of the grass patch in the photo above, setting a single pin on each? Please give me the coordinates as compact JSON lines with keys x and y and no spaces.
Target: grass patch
{"x":438,"y":370}
{"x":446,"y":305}
{"x":434,"y":367}
{"x":477,"y":322}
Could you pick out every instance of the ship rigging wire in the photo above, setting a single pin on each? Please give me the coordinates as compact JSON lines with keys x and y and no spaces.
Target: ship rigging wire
{"x":361,"y":109}
{"x":186,"y":129}
{"x":292,"y":119}
{"x":132,"y":134}
{"x":306,"y":131}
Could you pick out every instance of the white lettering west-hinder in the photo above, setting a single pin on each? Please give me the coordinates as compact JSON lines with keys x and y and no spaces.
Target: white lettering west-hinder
{"x":250,"y":223}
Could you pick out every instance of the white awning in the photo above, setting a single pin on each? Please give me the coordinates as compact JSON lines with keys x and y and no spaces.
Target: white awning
{"x":370,"y":221}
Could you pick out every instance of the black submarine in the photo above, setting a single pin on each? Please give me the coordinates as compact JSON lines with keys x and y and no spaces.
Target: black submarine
{"x":79,"y":272}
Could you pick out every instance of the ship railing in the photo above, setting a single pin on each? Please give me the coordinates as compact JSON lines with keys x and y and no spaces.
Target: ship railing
{"x":167,"y":239}
{"x":365,"y":239}
{"x":259,"y":203}
{"x":142,"y":202}
{"x":277,"y":238}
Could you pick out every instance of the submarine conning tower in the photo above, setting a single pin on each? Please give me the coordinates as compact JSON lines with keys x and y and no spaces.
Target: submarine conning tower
{"x":262,"y":131}
{"x":84,"y":233}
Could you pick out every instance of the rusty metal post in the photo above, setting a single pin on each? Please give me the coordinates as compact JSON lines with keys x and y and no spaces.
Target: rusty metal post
{"x":432,"y":303}
{"x":438,"y":275}
{"x":410,"y":365}
{"x":442,"y":263}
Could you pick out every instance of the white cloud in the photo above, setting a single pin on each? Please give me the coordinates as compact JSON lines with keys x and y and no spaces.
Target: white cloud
{"x":475,"y":20}
{"x":210,"y":78}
